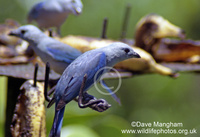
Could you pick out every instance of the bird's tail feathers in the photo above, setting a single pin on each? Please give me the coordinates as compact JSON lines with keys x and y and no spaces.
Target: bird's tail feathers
{"x":57,"y":123}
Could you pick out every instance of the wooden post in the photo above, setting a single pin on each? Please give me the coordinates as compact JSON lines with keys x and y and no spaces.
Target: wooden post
{"x":12,"y":93}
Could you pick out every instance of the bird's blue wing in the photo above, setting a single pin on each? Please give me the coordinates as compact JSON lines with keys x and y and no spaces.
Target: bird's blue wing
{"x":90,"y":66}
{"x":71,"y":80}
{"x":63,"y":53}
{"x":96,"y":71}
{"x":35,"y":11}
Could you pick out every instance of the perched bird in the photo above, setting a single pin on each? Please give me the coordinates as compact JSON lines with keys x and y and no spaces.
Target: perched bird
{"x":59,"y":55}
{"x":53,"y":13}
{"x":89,"y":64}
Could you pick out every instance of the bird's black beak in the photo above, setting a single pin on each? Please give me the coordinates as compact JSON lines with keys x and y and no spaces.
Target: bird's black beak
{"x":11,"y":33}
{"x":136,"y":55}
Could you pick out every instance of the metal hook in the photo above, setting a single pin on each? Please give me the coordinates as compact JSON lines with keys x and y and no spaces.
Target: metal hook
{"x":50,"y":32}
{"x":47,"y":71}
{"x":51,"y":90}
{"x":35,"y":75}
{"x":104,"y":29}
{"x":125,"y":22}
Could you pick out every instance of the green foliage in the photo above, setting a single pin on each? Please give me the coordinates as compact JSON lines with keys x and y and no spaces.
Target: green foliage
{"x":2,"y":103}
{"x":77,"y":131}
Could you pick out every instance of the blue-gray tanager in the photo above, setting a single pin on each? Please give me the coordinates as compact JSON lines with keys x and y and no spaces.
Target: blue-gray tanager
{"x":53,"y":13}
{"x":58,"y":54}
{"x":89,"y":64}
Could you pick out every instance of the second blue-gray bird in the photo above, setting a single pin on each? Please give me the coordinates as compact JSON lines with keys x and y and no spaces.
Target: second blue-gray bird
{"x":89,"y":63}
{"x":53,"y":13}
{"x":58,"y":54}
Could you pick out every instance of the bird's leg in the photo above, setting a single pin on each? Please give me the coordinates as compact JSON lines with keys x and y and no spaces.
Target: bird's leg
{"x":86,"y":100}
{"x":47,"y":98}
{"x":83,"y":99}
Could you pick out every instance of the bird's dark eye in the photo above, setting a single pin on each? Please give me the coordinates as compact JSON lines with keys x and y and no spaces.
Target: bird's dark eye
{"x":23,"y":31}
{"x":127,"y":50}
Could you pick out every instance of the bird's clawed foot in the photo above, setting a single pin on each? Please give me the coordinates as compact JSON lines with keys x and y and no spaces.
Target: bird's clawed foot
{"x":86,"y":100}
{"x":99,"y":105}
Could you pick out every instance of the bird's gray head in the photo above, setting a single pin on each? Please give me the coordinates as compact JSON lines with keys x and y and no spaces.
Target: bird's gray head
{"x":118,"y":51}
{"x":72,"y":6}
{"x":29,"y":33}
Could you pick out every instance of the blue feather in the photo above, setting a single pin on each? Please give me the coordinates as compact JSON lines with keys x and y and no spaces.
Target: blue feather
{"x":36,"y":10}
{"x":60,"y":55}
{"x":57,"y":124}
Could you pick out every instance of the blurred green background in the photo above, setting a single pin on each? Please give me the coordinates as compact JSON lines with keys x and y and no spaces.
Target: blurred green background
{"x":145,"y":98}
